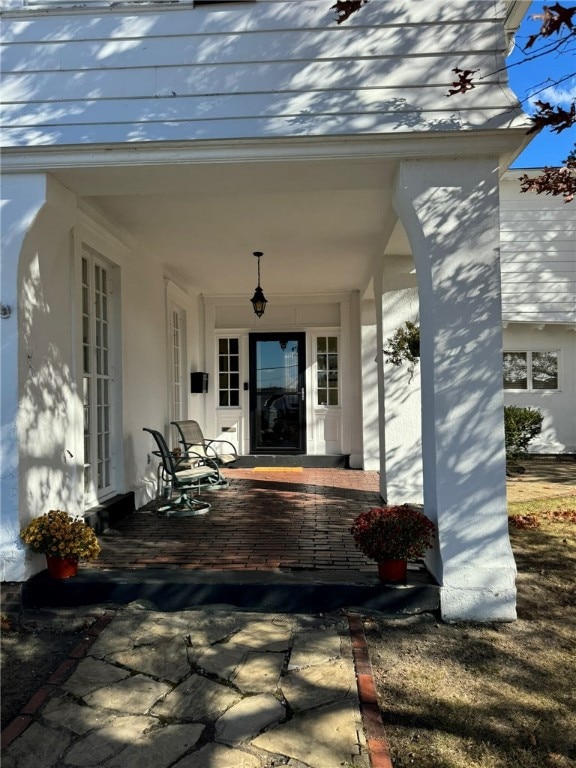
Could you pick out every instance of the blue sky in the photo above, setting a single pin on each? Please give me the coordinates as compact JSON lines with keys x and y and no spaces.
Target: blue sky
{"x":546,"y":148}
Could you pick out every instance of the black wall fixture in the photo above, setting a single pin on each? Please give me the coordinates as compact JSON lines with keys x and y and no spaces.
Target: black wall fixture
{"x":199,"y":382}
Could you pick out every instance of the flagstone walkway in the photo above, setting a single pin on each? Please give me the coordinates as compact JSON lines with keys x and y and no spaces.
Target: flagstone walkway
{"x":208,"y":688}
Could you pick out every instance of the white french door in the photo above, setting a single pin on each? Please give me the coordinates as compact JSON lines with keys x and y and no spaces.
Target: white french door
{"x":98,"y":381}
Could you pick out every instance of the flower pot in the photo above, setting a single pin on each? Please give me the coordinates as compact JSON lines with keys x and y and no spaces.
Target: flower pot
{"x":62,"y":567}
{"x":392,"y":570}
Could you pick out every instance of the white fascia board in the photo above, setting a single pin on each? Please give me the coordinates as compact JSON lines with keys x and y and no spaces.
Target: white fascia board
{"x":473,"y":143}
{"x":515,"y":12}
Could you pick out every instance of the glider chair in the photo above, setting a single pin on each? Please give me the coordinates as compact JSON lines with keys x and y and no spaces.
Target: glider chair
{"x":183,"y":479}
{"x":222,"y":452}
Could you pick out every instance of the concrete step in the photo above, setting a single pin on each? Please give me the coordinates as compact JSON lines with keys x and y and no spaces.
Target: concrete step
{"x":295,"y":591}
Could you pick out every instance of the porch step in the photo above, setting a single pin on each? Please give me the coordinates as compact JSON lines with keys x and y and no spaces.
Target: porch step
{"x":176,"y":590}
{"x":110,"y":512}
{"x":315,"y":462}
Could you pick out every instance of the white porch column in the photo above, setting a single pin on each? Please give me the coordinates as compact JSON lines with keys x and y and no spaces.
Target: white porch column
{"x":449,"y":209}
{"x":22,"y":199}
{"x":370,"y":407}
{"x":351,"y":337}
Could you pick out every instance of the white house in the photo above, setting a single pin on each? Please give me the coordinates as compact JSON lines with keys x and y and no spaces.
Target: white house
{"x":151,"y":149}
{"x":538,"y":255}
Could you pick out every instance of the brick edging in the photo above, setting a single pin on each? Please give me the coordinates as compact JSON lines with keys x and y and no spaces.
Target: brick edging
{"x":377,"y":743}
{"x":63,"y":671}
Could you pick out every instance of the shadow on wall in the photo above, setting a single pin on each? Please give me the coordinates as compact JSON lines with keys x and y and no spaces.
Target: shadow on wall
{"x":403,"y":411}
{"x":50,"y":408}
{"x":403,"y":435}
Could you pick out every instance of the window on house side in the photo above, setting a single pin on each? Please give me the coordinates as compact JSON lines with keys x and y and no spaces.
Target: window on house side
{"x":228,"y":373}
{"x":530,"y":371}
{"x":327,"y":370}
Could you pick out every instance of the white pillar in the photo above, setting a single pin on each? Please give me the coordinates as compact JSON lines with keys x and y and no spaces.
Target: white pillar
{"x":370,"y":407}
{"x":351,"y":336}
{"x":449,"y":209}
{"x":378,"y":271}
{"x":22,"y":199}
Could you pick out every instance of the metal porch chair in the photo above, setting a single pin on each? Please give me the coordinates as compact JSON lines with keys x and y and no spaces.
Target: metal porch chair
{"x":183,"y":476}
{"x":195,"y":444}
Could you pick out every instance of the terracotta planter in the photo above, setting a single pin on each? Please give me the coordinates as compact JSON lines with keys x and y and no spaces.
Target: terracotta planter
{"x":392,"y":570}
{"x":62,"y":567}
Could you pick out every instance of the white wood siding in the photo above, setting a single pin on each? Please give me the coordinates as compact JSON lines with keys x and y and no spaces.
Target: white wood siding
{"x":253,"y":70}
{"x":538,"y":254}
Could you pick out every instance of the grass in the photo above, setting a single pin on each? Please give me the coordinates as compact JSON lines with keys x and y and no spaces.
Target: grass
{"x":490,"y":695}
{"x":542,"y":506}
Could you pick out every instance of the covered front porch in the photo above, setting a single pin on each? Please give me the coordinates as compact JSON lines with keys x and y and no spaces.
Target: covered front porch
{"x":274,"y":539}
{"x":156,"y":258}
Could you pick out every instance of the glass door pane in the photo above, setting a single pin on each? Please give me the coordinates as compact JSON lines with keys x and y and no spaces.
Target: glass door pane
{"x":277,"y":395}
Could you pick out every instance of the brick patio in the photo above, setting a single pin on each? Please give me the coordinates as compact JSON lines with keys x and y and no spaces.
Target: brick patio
{"x":266,"y":520}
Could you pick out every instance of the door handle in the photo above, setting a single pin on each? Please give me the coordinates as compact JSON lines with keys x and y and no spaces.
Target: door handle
{"x":303,"y":394}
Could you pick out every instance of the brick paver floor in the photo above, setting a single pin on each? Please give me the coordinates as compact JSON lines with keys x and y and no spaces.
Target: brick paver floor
{"x":293,"y":519}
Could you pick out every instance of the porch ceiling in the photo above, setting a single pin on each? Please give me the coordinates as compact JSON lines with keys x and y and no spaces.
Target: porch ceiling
{"x":319,"y":223}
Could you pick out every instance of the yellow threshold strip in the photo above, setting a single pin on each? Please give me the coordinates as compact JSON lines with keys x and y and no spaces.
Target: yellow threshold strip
{"x":277,"y":469}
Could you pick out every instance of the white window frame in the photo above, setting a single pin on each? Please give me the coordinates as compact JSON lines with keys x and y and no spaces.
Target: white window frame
{"x":315,"y":371}
{"x":530,"y":389}
{"x":229,"y":355}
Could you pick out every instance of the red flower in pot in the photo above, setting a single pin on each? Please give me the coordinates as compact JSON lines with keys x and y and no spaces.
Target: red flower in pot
{"x":393,"y":534}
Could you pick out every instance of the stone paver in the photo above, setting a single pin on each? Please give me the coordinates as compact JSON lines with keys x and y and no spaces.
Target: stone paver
{"x":270,"y":635}
{"x":324,"y":738}
{"x":64,"y":713}
{"x":219,"y":756}
{"x":221,"y":660}
{"x":259,"y":672}
{"x":167,"y":659}
{"x":249,"y":716}
{"x":159,"y":748}
{"x":204,"y":688}
{"x":103,"y":743}
{"x":197,"y":698}
{"x":38,"y":746}
{"x":92,"y":674}
{"x":314,"y":647}
{"x":133,"y":695}
{"x":318,"y":685}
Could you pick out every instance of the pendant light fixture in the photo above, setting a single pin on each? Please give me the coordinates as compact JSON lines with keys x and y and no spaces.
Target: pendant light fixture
{"x":258,"y":300}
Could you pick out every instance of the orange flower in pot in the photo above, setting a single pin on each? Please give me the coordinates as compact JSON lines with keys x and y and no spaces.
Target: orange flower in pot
{"x":63,"y":539}
{"x":391,"y":536}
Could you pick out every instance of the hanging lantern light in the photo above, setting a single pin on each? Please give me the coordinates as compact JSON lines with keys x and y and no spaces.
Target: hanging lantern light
{"x":258,"y":300}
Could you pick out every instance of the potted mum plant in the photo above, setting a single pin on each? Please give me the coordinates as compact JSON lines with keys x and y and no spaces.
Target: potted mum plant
{"x":63,"y":539}
{"x":391,"y":536}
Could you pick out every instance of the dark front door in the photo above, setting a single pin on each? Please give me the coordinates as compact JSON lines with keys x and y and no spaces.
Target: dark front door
{"x":277,"y":393}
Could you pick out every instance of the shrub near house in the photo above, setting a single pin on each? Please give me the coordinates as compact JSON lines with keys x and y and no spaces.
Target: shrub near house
{"x":521,"y":426}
